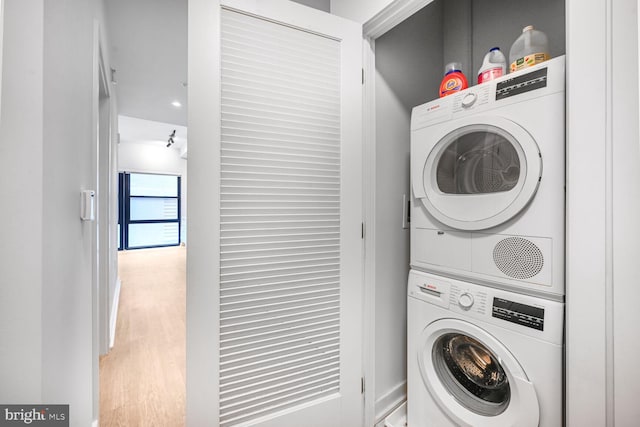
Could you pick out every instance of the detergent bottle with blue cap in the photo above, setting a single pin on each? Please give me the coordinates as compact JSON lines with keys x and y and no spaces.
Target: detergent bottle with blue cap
{"x":454,"y":80}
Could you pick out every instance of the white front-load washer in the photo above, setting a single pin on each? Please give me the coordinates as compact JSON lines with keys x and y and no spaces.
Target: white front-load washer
{"x":481,"y":356}
{"x":488,"y":176}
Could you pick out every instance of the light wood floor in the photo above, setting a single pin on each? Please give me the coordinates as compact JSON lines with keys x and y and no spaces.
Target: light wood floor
{"x":142,"y":379}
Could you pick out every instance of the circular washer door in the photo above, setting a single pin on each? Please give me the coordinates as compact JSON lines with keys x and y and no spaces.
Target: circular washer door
{"x":473,"y":378}
{"x":481,"y":174}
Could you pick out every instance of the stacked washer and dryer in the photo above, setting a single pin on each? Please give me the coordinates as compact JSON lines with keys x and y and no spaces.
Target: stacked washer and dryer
{"x":486,"y":289}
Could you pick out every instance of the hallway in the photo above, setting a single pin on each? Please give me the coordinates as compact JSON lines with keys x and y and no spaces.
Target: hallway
{"x":142,"y":379}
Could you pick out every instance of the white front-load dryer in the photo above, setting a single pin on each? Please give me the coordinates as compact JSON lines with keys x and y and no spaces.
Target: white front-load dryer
{"x":488,"y":175}
{"x":482,"y":357}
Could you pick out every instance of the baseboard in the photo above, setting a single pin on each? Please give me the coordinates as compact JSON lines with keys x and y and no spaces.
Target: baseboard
{"x":114,"y":314}
{"x":94,"y":423}
{"x":389,"y":402}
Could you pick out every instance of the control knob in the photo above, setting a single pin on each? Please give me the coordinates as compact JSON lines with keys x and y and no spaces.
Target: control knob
{"x":469,"y":99}
{"x":465,"y":300}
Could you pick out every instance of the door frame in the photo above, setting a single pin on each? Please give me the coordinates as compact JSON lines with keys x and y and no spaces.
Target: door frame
{"x":203,"y":170}
{"x":377,"y":26}
{"x":102,"y":234}
{"x":103,"y":202}
{"x":1,"y":48}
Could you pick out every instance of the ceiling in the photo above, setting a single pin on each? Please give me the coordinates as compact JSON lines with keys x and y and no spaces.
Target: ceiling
{"x":151,"y":132}
{"x":148,"y":51}
{"x":148,"y":40}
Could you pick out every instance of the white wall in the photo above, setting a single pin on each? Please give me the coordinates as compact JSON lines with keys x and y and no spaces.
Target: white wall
{"x":408,"y":73}
{"x":69,"y":361}
{"x":358,"y":10}
{"x":47,"y":127}
{"x":500,"y":22}
{"x":145,"y":157}
{"x":458,"y":32}
{"x":316,"y":4}
{"x":150,"y":158}
{"x":21,"y":158}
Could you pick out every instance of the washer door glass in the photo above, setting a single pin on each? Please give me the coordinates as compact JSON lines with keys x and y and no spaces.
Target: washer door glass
{"x":472,"y":374}
{"x":478,"y":162}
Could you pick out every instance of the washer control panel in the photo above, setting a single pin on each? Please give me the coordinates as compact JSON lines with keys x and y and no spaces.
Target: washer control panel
{"x":469,"y":99}
{"x":468,"y":298}
{"x":429,"y":289}
{"x":483,"y":305}
{"x":515,"y":312}
{"x":465,"y":300}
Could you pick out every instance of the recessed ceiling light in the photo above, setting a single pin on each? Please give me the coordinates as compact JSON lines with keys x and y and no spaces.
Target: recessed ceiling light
{"x":176,"y":104}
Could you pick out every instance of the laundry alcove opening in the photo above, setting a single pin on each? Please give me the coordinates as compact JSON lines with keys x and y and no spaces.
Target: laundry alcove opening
{"x":409,"y":66}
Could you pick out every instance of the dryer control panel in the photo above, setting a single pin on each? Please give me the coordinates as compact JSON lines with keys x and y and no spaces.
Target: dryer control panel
{"x":536,"y":79}
{"x":467,"y":100}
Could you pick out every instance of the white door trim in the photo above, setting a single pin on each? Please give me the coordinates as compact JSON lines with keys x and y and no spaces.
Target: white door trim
{"x":369,"y":212}
{"x":1,"y":48}
{"x":100,"y":228}
{"x":382,"y":22}
{"x":602,"y":248}
{"x":391,"y":16}
{"x":203,"y":299}
{"x":385,"y":20}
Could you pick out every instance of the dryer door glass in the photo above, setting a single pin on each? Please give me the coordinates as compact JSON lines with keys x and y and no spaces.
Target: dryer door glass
{"x":472,"y":374}
{"x":479,"y":174}
{"x":478,"y":161}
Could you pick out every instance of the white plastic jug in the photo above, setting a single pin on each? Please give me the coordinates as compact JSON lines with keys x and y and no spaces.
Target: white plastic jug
{"x":531,"y":48}
{"x":494,"y":65}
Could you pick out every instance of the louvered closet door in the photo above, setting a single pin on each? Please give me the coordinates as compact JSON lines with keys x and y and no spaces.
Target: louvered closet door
{"x":290,"y":214}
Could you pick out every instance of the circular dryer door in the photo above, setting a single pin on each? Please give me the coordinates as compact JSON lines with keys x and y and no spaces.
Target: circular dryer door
{"x":481,"y":174}
{"x":473,"y":378}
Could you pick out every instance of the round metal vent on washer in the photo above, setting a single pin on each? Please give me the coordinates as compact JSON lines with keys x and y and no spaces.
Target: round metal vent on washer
{"x":518,"y":258}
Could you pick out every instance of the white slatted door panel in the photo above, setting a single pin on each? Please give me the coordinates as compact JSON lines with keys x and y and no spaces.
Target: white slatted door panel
{"x":280,"y":218}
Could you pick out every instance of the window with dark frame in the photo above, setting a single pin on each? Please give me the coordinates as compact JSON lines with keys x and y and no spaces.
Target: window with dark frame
{"x":149,"y":210}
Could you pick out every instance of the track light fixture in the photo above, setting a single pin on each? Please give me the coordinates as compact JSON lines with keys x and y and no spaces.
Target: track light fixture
{"x":170,"y":141}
